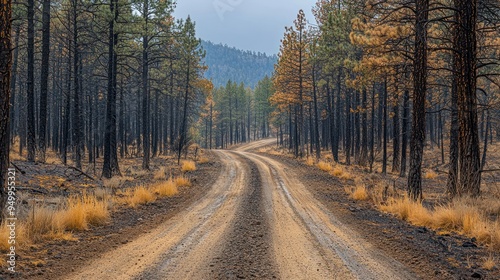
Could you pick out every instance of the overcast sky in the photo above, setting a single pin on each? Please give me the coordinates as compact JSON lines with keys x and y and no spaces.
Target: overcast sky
{"x":256,"y":25}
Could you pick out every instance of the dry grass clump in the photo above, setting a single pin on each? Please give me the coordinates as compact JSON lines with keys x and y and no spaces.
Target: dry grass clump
{"x":41,"y":221}
{"x":337,"y":171}
{"x":325,"y":166}
{"x":489,"y":263}
{"x":341,"y":173}
{"x":462,"y":216}
{"x":310,"y":161}
{"x":360,"y":193}
{"x":430,"y":174}
{"x":139,"y":195}
{"x":51,"y":157}
{"x":203,"y":160}
{"x":45,"y":222}
{"x":74,"y":217}
{"x":275,"y":152}
{"x":97,"y":212}
{"x":81,"y":212}
{"x":22,"y":237}
{"x":167,"y":188}
{"x":116,"y":182}
{"x":188,"y":165}
{"x":182,"y":181}
{"x":408,"y":210}
{"x":160,"y":174}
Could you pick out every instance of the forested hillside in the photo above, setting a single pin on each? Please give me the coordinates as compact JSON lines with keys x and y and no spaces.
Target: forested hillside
{"x":228,"y":63}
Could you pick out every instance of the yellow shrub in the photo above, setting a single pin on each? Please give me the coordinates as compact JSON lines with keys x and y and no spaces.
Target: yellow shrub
{"x":408,"y":210}
{"x":203,"y":160}
{"x":21,"y":231}
{"x":338,"y":171}
{"x":188,"y":165}
{"x":325,"y":166}
{"x":182,"y":181}
{"x":360,"y":193}
{"x":140,"y":195}
{"x":97,"y":212}
{"x":74,"y":217}
{"x":168,"y":188}
{"x":310,"y":161}
{"x":430,"y":174}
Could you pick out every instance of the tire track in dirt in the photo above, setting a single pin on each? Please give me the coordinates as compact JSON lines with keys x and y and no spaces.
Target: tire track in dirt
{"x":180,"y":247}
{"x":334,"y":241}
{"x":247,"y":253}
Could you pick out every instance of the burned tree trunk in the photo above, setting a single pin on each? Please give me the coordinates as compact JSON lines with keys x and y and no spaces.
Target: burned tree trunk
{"x":5,"y":71}
{"x":419,"y":96}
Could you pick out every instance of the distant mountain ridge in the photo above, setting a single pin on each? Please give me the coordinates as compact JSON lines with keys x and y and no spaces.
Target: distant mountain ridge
{"x":229,"y":63}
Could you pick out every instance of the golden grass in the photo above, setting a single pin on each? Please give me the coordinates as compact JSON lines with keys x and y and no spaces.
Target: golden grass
{"x":160,"y":174}
{"x":408,"y":210}
{"x":74,"y":217}
{"x":337,"y":171}
{"x":80,"y":212}
{"x":430,"y":174}
{"x":461,"y":216}
{"x":97,"y":212}
{"x":139,"y":195}
{"x":489,"y":263}
{"x":324,"y":166}
{"x":41,"y":222}
{"x":310,"y":161}
{"x":44,"y":222}
{"x":188,"y":165}
{"x":360,"y":193}
{"x":167,"y":188}
{"x":21,"y":236}
{"x":203,"y":160}
{"x":182,"y":181}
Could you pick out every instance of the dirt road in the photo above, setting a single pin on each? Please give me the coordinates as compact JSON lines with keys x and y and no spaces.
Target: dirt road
{"x":257,"y":221}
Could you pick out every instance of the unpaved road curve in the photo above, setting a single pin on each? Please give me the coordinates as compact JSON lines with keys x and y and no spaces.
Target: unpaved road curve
{"x":257,"y":221}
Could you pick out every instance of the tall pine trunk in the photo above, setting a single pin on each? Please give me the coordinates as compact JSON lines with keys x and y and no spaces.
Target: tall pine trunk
{"x":44,"y":80}
{"x":419,"y":97}
{"x":145,"y":90}
{"x":31,"y":82}
{"x":469,"y":163}
{"x":5,"y":75}
{"x":110,"y":166}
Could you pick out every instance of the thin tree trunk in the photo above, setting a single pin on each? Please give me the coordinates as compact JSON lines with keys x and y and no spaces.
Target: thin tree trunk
{"x":145,"y":91}
{"x":31,"y":81}
{"x":395,"y":136}
{"x":384,"y":153}
{"x":13,"y":85}
{"x":5,"y":76}
{"x":44,"y":80}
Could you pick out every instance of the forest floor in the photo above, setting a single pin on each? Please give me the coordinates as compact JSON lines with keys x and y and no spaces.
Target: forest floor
{"x":49,"y":185}
{"x":254,"y":212}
